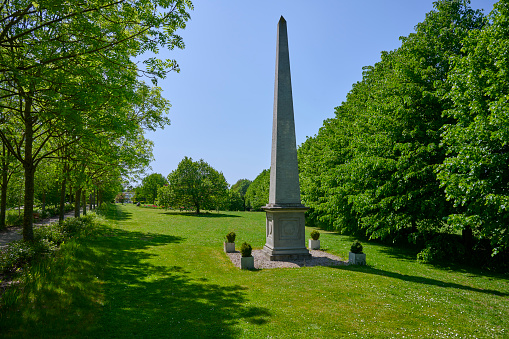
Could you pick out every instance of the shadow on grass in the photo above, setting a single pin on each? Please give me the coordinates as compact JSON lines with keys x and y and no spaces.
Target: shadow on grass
{"x":415,"y":279}
{"x":107,"y":288}
{"x":201,"y":215}
{"x":112,"y":212}
{"x":408,"y":252}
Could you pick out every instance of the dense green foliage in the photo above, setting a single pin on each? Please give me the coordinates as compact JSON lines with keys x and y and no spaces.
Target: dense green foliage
{"x":241,"y":186}
{"x":50,"y":51}
{"x":475,"y":174}
{"x":257,"y":194}
{"x":434,"y":105}
{"x":194,"y":184}
{"x":147,"y":191}
{"x":47,"y":240}
{"x":239,"y":190}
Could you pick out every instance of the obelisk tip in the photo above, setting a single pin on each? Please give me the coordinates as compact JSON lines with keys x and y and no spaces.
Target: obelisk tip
{"x":282,"y":19}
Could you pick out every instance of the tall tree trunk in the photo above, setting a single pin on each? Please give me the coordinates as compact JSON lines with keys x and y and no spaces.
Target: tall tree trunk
{"x":20,"y":198}
{"x":29,"y":166}
{"x":77,"y":203}
{"x":90,"y":201}
{"x":84,"y":199}
{"x":61,"y":216}
{"x":3,"y":195}
{"x":467,"y":236}
{"x":28,"y":216}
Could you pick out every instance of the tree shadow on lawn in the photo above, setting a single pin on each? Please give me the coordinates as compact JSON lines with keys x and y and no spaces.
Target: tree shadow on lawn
{"x":415,"y":279}
{"x":408,"y":252}
{"x":114,"y":213}
{"x":108,"y":289}
{"x":400,"y":252}
{"x":202,"y":215}
{"x":159,"y":301}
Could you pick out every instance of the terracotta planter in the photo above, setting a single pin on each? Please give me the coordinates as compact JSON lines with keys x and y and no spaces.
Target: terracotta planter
{"x":229,"y":247}
{"x":357,"y":258}
{"x":314,"y":244}
{"x":247,"y":263}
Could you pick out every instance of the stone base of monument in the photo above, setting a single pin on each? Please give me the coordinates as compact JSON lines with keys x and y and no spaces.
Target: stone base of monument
{"x":285,"y":233}
{"x":314,"y":244}
{"x":247,"y":263}
{"x":289,"y":254}
{"x":357,"y":258}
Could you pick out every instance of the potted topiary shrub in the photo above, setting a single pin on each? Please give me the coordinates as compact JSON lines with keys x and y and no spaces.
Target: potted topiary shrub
{"x":247,"y":260}
{"x":229,"y":245}
{"x":356,"y":257}
{"x":314,"y":243}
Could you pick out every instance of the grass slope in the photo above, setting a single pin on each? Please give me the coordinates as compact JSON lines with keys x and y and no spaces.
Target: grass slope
{"x":155,"y":273}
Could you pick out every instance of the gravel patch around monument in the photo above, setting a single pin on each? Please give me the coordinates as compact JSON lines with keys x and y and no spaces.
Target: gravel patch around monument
{"x":318,"y":258}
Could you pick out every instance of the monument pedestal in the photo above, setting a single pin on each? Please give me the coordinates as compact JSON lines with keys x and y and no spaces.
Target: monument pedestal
{"x":285,"y":232}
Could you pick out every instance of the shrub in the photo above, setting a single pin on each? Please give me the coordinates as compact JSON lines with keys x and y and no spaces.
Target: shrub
{"x":52,"y":233}
{"x":246,"y":249}
{"x":72,"y":225}
{"x":230,"y":237}
{"x":45,"y":214}
{"x":16,"y":254}
{"x":13,"y":218}
{"x":68,"y":207}
{"x":46,"y":241}
{"x":44,"y":246}
{"x":315,"y":235}
{"x":356,"y":247}
{"x":442,"y":247}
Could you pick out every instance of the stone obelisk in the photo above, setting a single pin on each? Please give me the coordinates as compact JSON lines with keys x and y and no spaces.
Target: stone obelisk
{"x":285,"y":221}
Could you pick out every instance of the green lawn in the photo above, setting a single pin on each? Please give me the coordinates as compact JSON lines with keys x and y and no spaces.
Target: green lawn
{"x":152,"y":273}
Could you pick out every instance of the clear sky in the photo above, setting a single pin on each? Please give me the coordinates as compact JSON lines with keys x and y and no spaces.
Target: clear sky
{"x":222,"y":100}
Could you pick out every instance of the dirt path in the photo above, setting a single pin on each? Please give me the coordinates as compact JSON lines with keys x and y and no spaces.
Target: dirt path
{"x":16,"y":232}
{"x":10,"y":234}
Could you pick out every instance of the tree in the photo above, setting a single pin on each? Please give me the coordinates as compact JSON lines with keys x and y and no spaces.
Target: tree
{"x":373,"y":168}
{"x":257,"y":194}
{"x":240,"y":187}
{"x":120,"y":197}
{"x":195,"y":183}
{"x":8,"y":168}
{"x":150,"y":185}
{"x":475,"y":174}
{"x":51,"y":51}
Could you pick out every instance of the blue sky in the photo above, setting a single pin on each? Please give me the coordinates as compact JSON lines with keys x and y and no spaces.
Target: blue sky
{"x":222,"y":99}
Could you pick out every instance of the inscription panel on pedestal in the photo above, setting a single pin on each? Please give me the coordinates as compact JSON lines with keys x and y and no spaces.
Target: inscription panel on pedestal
{"x":289,"y":228}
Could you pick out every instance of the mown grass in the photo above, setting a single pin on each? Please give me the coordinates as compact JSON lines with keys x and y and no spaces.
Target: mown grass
{"x":155,"y":273}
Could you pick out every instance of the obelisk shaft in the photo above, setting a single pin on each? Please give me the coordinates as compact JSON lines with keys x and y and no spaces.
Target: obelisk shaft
{"x":284,"y":171}
{"x":285,"y":220}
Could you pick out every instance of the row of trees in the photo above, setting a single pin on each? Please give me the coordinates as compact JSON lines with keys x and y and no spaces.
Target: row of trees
{"x":193,"y":185}
{"x":73,"y":109}
{"x":421,"y":143}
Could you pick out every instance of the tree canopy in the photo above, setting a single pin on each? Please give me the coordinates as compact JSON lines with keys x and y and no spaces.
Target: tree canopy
{"x":419,"y":145}
{"x":194,"y":184}
{"x":149,"y":187}
{"x":257,"y":194}
{"x":68,"y":84}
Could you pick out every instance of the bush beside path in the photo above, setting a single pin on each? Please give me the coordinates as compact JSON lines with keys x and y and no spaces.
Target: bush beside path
{"x":14,"y":233}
